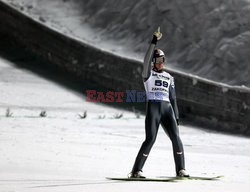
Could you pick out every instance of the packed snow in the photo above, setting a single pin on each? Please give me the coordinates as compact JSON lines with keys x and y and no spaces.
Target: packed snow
{"x":62,"y":152}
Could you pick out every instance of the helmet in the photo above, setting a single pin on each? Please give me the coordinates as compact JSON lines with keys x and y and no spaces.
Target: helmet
{"x":158,"y":56}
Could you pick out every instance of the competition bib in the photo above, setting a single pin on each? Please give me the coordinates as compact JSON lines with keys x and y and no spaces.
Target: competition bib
{"x":157,"y":86}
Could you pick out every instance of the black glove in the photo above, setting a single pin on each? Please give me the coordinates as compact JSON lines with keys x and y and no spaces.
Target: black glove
{"x":154,"y":40}
{"x":177,"y":121}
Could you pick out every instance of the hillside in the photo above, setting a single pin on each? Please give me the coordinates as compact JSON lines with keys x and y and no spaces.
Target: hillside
{"x":207,"y":38}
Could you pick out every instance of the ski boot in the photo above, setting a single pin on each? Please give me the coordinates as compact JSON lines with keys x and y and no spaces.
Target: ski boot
{"x":137,"y":174}
{"x":182,"y":173}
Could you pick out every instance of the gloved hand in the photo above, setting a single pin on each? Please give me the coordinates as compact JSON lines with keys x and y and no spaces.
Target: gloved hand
{"x":158,"y":34}
{"x":177,"y":121}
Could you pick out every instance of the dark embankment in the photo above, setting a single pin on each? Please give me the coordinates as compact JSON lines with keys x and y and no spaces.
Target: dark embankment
{"x":218,"y":106}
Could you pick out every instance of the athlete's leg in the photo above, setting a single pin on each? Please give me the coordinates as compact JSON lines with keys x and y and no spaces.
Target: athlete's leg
{"x":170,"y":126}
{"x":152,"y":122}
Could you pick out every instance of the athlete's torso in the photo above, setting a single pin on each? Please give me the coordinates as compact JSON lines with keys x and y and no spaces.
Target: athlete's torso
{"x":157,"y":86}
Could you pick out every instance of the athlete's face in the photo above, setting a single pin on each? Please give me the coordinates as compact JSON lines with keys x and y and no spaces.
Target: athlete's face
{"x":159,"y":63}
{"x":159,"y":66}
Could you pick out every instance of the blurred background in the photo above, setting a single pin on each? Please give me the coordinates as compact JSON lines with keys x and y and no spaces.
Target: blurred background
{"x":208,"y":38}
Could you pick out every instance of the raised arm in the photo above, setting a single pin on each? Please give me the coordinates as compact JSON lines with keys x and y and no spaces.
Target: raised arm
{"x":149,"y":54}
{"x":148,"y":59}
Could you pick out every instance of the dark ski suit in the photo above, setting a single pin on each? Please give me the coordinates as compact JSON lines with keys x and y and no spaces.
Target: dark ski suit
{"x":160,"y":112}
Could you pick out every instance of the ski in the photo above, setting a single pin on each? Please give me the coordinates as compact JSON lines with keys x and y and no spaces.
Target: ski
{"x":142,"y":179}
{"x":164,"y":178}
{"x":193,"y":178}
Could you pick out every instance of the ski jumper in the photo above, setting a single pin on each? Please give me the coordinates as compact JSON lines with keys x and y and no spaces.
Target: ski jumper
{"x":161,"y":108}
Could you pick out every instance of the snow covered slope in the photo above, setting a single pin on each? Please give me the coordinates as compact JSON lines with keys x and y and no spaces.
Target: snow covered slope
{"x":221,"y":107}
{"x":209,"y":38}
{"x":63,"y":153}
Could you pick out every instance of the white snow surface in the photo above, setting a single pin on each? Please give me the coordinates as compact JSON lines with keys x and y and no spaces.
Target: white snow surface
{"x":63,"y":153}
